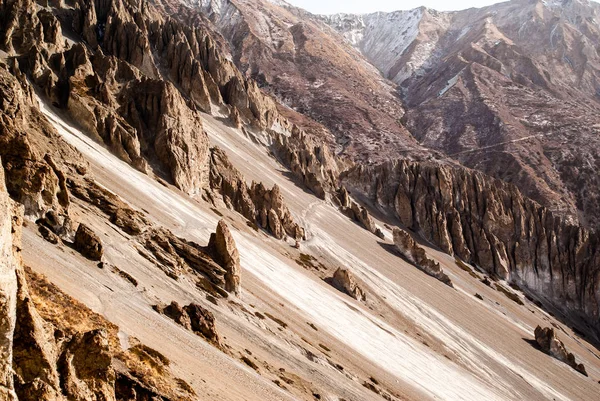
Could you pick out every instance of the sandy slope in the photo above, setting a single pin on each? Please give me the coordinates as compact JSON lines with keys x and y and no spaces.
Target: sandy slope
{"x":418,"y":337}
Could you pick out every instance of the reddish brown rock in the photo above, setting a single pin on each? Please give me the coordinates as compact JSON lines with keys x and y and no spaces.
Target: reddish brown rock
{"x":203,"y":323}
{"x":489,"y":223}
{"x":257,"y":203}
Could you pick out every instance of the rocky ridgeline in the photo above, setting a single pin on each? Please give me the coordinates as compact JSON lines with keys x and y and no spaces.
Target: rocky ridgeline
{"x":489,"y":223}
{"x":124,"y":96}
{"x":416,"y":254}
{"x":258,"y":204}
{"x":310,"y":160}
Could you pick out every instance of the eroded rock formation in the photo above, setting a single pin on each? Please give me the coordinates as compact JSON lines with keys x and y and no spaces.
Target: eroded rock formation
{"x":222,"y":246}
{"x":489,"y":223}
{"x":416,"y":254}
{"x":345,"y":281}
{"x":88,"y":243}
{"x":44,"y":357}
{"x":311,"y":161}
{"x":193,"y":317}
{"x":549,"y":343}
{"x":258,"y":204}
{"x":357,"y":213}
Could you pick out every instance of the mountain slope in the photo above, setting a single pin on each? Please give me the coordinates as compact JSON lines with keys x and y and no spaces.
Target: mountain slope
{"x":314,"y":72}
{"x":182,"y":230}
{"x":510,"y":89}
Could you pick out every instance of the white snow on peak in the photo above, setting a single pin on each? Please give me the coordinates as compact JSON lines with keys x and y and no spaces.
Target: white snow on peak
{"x":381,"y":37}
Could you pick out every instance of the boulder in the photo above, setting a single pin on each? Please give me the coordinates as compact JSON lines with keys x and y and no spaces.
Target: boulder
{"x":88,"y":243}
{"x":203,"y":323}
{"x":549,"y":343}
{"x":175,"y":312}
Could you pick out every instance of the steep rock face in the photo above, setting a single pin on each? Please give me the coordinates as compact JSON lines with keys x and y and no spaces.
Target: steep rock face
{"x":118,"y":88}
{"x":550,"y":344}
{"x":258,"y":204}
{"x":31,"y":160}
{"x":222,"y":246}
{"x":407,"y":246}
{"x":309,"y":160}
{"x":345,"y":281}
{"x":34,"y":365}
{"x":491,"y":224}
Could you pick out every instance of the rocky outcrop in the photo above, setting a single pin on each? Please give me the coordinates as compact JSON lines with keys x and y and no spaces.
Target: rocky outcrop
{"x":222,"y":246}
{"x":345,"y":281}
{"x":9,"y":263}
{"x":310,"y":160}
{"x":356,"y":212}
{"x":203,"y":323}
{"x":42,"y":359}
{"x":88,"y":243}
{"x":489,"y":223}
{"x":32,"y":154}
{"x":175,"y":256}
{"x":549,"y":343}
{"x":193,"y":317}
{"x":258,"y":204}
{"x":416,"y":254}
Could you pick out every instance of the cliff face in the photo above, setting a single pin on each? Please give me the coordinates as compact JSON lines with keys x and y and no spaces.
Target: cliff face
{"x":9,"y":262}
{"x":491,"y":224}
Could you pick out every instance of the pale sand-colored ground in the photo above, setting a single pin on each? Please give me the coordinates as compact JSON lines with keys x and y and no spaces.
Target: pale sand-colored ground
{"x":416,"y":336}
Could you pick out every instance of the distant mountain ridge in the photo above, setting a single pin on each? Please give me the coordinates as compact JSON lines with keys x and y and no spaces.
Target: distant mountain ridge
{"x":512,"y":89}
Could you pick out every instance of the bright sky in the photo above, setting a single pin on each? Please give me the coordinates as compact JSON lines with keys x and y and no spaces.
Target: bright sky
{"x":368,"y":6}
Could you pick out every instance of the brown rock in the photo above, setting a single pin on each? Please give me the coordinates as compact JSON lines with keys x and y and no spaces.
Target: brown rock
{"x":412,"y":251}
{"x":356,"y":212}
{"x":86,"y":367}
{"x":344,"y":281}
{"x":226,"y":254}
{"x":9,"y":262}
{"x":175,"y":312}
{"x":550,"y":344}
{"x":88,"y":243}
{"x":258,"y":204}
{"x":203,"y":323}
